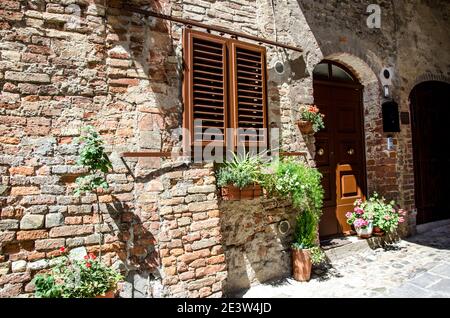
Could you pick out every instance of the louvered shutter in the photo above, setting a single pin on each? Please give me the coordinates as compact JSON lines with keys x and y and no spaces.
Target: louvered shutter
{"x":205,"y":86}
{"x":248,"y":92}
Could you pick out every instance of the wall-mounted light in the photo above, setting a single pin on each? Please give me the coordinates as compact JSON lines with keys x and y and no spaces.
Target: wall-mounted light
{"x":386,"y":91}
{"x":279,"y":67}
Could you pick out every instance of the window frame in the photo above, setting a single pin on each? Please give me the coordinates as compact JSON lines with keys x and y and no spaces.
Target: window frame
{"x":230,"y":87}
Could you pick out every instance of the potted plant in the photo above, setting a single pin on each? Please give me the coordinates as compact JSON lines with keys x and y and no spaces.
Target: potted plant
{"x":302,"y":184}
{"x":311,"y":120}
{"x":69,"y":278}
{"x":361,"y":219}
{"x":238,"y":178}
{"x":386,"y":217}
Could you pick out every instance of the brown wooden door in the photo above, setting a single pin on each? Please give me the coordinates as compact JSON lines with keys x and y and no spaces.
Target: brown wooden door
{"x":340,"y":152}
{"x":430,"y":112}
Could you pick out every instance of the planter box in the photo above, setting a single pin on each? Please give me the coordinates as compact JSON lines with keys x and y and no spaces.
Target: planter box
{"x":301,"y":265}
{"x":232,"y":193}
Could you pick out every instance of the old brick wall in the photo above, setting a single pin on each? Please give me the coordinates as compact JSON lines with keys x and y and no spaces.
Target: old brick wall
{"x":255,"y":249}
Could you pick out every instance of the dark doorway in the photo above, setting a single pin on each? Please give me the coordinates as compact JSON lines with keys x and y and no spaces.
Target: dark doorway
{"x":430,"y":113}
{"x":340,"y":152}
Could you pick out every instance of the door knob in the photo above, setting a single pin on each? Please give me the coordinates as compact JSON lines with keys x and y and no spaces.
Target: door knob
{"x":351,"y":151}
{"x":320,"y":152}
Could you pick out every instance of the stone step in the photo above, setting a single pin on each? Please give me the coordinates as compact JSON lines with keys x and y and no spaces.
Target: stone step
{"x":339,"y":248}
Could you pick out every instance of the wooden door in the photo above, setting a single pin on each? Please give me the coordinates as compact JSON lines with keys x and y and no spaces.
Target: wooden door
{"x":340,"y":155}
{"x":430,"y":112}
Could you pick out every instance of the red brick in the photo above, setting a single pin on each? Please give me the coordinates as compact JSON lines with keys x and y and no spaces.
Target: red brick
{"x":15,"y":278}
{"x":34,"y":256}
{"x":124,"y":82}
{"x":22,"y":170}
{"x":9,"y":140}
{"x":39,"y":49}
{"x":31,"y":235}
{"x":18,"y":191}
{"x":71,"y":230}
{"x":11,"y":15}
{"x":73,"y":220}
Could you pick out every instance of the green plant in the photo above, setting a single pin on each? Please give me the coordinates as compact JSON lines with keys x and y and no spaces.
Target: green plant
{"x":242,"y":171}
{"x":76,"y":279}
{"x":385,"y":215}
{"x":302,"y":184}
{"x":311,"y":114}
{"x":93,"y":157}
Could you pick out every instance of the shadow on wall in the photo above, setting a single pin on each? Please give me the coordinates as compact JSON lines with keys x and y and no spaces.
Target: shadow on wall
{"x":255,"y":250}
{"x":142,"y":70}
{"x":139,"y":260}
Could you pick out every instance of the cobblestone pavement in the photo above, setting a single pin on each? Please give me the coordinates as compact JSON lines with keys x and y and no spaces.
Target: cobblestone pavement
{"x":414,"y":267}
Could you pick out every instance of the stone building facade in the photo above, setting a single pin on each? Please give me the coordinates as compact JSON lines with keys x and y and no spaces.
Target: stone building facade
{"x":68,"y":63}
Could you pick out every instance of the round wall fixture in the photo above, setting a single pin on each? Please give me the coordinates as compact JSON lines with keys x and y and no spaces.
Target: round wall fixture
{"x":284,"y":227}
{"x":386,"y":74}
{"x":279,"y":67}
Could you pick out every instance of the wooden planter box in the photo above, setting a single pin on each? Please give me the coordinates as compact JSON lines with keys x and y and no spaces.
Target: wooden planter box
{"x":232,"y":193}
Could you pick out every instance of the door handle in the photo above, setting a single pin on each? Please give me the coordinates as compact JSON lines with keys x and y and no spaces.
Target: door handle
{"x":351,"y":151}
{"x":320,"y":152}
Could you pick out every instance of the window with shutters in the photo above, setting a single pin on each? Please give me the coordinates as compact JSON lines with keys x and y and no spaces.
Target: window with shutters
{"x":224,"y":87}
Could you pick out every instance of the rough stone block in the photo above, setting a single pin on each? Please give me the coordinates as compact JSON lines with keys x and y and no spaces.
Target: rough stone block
{"x":32,"y":221}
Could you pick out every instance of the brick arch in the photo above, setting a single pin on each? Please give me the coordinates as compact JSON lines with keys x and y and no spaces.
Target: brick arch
{"x":427,"y":77}
{"x":380,"y":165}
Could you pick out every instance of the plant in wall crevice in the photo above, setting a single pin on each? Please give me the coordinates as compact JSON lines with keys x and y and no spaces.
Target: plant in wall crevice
{"x":92,"y":156}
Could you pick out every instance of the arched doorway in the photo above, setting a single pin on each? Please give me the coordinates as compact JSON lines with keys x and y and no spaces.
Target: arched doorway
{"x":430,"y":112}
{"x":340,"y":152}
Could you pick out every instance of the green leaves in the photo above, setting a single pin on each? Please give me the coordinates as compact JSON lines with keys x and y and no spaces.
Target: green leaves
{"x":93,"y":157}
{"x":77,"y":279}
{"x":241,"y":171}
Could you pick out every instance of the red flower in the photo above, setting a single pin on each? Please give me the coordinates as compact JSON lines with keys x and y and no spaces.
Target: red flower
{"x":86,"y":257}
{"x":88,"y":265}
{"x":92,"y":256}
{"x":62,"y":249}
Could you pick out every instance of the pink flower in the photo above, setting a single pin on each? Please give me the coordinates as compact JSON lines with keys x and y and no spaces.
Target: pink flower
{"x":358,"y":210}
{"x":387,"y":217}
{"x":402,"y":212}
{"x":348,"y":215}
{"x":401,"y":219}
{"x":360,"y":223}
{"x":358,"y":202}
{"x":88,"y":265}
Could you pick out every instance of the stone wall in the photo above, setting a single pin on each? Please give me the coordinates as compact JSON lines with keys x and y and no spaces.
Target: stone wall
{"x":255,"y":249}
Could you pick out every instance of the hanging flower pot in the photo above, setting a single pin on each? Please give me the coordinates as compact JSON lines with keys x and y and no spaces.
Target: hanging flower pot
{"x":306,"y":127}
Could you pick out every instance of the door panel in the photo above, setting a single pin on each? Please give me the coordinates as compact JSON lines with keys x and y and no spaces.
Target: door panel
{"x":342,"y":161}
{"x":430,"y":110}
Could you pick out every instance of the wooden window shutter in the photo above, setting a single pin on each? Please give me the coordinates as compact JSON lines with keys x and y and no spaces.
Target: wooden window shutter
{"x":205,"y":86}
{"x":248,"y":92}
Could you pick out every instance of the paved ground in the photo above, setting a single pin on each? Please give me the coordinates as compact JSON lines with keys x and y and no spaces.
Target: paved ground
{"x":415,"y":267}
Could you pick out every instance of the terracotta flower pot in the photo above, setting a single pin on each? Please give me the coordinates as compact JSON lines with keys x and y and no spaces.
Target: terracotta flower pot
{"x":301,"y":265}
{"x":377,"y":231}
{"x":108,"y":294}
{"x":248,"y":193}
{"x":230,"y":193}
{"x":306,"y":127}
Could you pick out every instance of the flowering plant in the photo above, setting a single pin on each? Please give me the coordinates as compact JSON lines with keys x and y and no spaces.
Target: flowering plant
{"x":386,"y":216}
{"x":311,"y":114}
{"x":359,"y":217}
{"x":76,"y":278}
